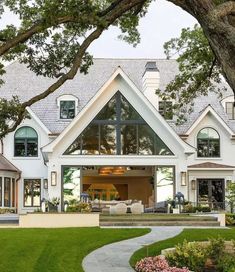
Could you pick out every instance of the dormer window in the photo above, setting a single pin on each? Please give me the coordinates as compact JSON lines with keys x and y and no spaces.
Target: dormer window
{"x":67,"y":109}
{"x":229,"y":106}
{"x":68,"y":106}
{"x":165,"y":109}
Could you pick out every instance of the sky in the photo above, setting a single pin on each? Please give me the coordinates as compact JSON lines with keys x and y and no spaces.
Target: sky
{"x":163,"y":21}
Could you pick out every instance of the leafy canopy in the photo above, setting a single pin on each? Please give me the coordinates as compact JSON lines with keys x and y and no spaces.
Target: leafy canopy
{"x":52,"y":38}
{"x":199,"y":71}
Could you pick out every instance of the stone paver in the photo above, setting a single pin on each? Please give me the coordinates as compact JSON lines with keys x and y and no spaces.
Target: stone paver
{"x":115,"y":257}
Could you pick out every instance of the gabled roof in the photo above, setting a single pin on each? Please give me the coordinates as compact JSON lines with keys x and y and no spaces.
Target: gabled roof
{"x":209,"y":109}
{"x":20,"y":81}
{"x":144,"y":101}
{"x":6,"y":165}
{"x":210,"y":166}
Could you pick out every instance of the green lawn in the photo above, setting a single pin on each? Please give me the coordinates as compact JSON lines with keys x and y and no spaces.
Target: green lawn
{"x":188,"y":234}
{"x":57,"y":250}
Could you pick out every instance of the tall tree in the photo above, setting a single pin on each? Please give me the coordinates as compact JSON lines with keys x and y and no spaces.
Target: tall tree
{"x":50,"y":38}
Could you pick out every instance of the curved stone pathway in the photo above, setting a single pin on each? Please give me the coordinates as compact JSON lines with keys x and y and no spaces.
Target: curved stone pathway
{"x":115,"y":257}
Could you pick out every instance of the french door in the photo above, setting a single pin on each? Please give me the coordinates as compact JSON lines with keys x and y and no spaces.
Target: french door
{"x":211,"y":192}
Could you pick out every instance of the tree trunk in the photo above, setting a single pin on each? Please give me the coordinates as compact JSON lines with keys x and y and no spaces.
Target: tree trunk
{"x":218,"y":23}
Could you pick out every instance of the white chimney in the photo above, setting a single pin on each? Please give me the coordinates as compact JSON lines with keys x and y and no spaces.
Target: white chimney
{"x":151,"y":79}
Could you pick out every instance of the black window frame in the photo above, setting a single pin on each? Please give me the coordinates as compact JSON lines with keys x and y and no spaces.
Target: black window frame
{"x":165,"y":111}
{"x":118,"y":122}
{"x":26,"y":142}
{"x":208,"y":140}
{"x":67,"y":118}
{"x":233,"y":110}
{"x":32,"y":196}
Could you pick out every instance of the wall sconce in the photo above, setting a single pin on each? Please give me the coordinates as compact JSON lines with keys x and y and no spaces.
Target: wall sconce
{"x":45,"y":184}
{"x":183,"y":178}
{"x":193,"y":184}
{"x":53,"y":178}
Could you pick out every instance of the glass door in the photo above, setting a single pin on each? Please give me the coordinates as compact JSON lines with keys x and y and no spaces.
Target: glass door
{"x":211,"y":193}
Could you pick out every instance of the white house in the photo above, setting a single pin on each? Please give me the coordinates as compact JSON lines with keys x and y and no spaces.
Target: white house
{"x":108,"y":134}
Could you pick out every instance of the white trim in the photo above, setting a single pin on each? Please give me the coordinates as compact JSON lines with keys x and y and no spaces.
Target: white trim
{"x":40,"y":123}
{"x":146,"y":103}
{"x":215,"y":114}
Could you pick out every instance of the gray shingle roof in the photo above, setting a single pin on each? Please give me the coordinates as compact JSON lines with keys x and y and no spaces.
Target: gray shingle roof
{"x":22,"y":82}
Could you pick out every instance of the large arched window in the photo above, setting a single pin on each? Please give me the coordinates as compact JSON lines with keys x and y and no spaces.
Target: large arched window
{"x":208,"y":143}
{"x":26,"y":142}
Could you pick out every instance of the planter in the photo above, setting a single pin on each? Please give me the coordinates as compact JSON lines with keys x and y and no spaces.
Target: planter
{"x":176,"y":211}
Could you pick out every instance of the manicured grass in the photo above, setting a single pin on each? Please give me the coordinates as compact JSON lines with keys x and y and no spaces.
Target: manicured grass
{"x":188,"y":234}
{"x":54,"y":250}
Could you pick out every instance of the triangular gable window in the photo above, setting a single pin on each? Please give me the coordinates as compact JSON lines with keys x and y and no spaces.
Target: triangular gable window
{"x":118,"y":129}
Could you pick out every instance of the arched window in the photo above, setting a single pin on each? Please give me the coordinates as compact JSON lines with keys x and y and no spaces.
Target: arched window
{"x":208,"y":143}
{"x":26,"y":142}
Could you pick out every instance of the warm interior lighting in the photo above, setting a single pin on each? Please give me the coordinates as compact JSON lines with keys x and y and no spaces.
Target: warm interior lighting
{"x":193,"y":184}
{"x":105,"y":171}
{"x":183,"y":179}
{"x":119,"y":170}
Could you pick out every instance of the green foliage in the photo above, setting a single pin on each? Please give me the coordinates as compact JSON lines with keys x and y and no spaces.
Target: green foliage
{"x":58,"y":31}
{"x":195,"y":256}
{"x":191,"y":255}
{"x":231,"y":196}
{"x":230,"y":219}
{"x":199,"y":72}
{"x":79,"y":207}
{"x":189,"y":208}
{"x":226,"y":264}
{"x":190,"y":235}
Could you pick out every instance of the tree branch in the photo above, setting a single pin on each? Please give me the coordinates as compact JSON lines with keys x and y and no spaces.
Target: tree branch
{"x":119,"y":10}
{"x":24,"y":36}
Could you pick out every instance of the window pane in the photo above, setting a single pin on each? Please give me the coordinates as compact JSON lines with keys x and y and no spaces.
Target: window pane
{"x":214,"y":148}
{"x":26,"y":132}
{"x":208,"y":143}
{"x":67,"y":109}
{"x":129,"y":139}
{"x":109,"y":111}
{"x":0,"y":191}
{"x":107,"y":139}
{"x":32,"y":147}
{"x":27,"y":193}
{"x":117,"y":124}
{"x":71,"y":183}
{"x":208,"y":133}
{"x":13,"y":184}
{"x":32,"y":192}
{"x":7,"y":192}
{"x":161,"y":148}
{"x":36,"y":192}
{"x":127,"y":111}
{"x":20,"y":147}
{"x":75,"y":148}
{"x":146,"y":140}
{"x":165,"y":183}
{"x":90,"y":140}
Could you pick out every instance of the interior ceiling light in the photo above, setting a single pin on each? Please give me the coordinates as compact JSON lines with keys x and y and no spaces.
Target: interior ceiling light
{"x":105,"y":171}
